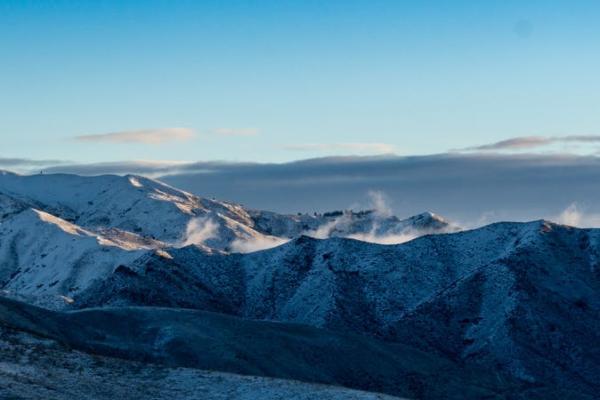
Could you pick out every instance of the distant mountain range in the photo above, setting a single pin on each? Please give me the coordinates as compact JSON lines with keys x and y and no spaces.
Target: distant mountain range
{"x":509,"y":310}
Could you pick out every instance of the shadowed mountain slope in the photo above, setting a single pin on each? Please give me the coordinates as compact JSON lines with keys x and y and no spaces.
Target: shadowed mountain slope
{"x":196,"y":339}
{"x":518,"y":297}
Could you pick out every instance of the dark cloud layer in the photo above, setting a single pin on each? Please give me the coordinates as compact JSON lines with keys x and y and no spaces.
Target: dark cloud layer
{"x":461,"y":187}
{"x":466,"y":187}
{"x":118,"y":168}
{"x":16,"y":163}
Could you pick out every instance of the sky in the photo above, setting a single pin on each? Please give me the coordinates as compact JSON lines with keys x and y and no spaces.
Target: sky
{"x":277,"y":81}
{"x":477,"y":110}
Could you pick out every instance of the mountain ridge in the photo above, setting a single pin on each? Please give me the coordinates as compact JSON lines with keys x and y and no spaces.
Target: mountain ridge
{"x":522,"y":298}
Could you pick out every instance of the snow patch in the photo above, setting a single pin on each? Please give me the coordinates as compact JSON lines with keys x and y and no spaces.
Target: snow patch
{"x":60,"y":223}
{"x":135,"y":182}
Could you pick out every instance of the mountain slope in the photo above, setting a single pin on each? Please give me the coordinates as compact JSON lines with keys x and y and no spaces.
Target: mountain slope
{"x":308,"y":280}
{"x":60,"y":233}
{"x":36,"y":368}
{"x":534,"y":312}
{"x":134,"y":204}
{"x":212,"y":341}
{"x":503,"y":296}
{"x":48,"y":260}
{"x":520,"y":298}
{"x":156,"y":212}
{"x":369,"y":225}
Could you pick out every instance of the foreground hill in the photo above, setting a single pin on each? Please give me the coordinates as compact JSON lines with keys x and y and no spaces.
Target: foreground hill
{"x":34,"y":367}
{"x":196,"y":339}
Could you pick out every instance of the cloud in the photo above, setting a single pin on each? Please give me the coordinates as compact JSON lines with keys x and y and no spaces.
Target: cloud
{"x":235,"y":131}
{"x":533,"y":142}
{"x":573,"y":215}
{"x":379,"y":231}
{"x":150,"y":168}
{"x":570,"y":216}
{"x":462,"y":187}
{"x":26,"y":162}
{"x":199,"y":230}
{"x":253,"y":244}
{"x":325,"y":230}
{"x":143,"y":136}
{"x":379,"y":203}
{"x":525,"y":142}
{"x":328,"y":229}
{"x":356,"y":147}
{"x":373,"y":237}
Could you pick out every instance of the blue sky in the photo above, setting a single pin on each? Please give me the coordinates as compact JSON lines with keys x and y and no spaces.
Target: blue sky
{"x":277,"y":81}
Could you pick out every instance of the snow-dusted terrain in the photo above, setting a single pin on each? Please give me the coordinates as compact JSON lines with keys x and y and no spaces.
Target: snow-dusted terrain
{"x":131,"y":204}
{"x":521,"y":299}
{"x":158,"y":213}
{"x":61,"y":233}
{"x":51,"y":259}
{"x":504,"y":296}
{"x":369,"y":225}
{"x":35,"y":368}
{"x":196,"y":339}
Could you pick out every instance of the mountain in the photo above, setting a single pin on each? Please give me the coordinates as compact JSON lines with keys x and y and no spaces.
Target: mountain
{"x":520,"y":299}
{"x":369,"y":225}
{"x":46,"y":259}
{"x":61,"y":233}
{"x":132,"y":204}
{"x":523,"y":298}
{"x":158,"y":212}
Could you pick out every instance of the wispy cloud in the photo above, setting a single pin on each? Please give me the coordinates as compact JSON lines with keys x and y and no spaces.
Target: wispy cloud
{"x":234,"y":132}
{"x":355,"y":147}
{"x":27,"y":162}
{"x":143,"y":136}
{"x":534,"y":142}
{"x":573,"y":215}
{"x":150,"y":168}
{"x":199,"y":230}
{"x":250,"y":245}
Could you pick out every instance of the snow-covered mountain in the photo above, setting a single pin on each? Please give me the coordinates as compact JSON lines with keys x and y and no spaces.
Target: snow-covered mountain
{"x":61,"y":233}
{"x":522,"y":299}
{"x":368,"y":225}
{"x":133,"y":204}
{"x":504,"y":296}
{"x":141,"y":210}
{"x":46,"y":260}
